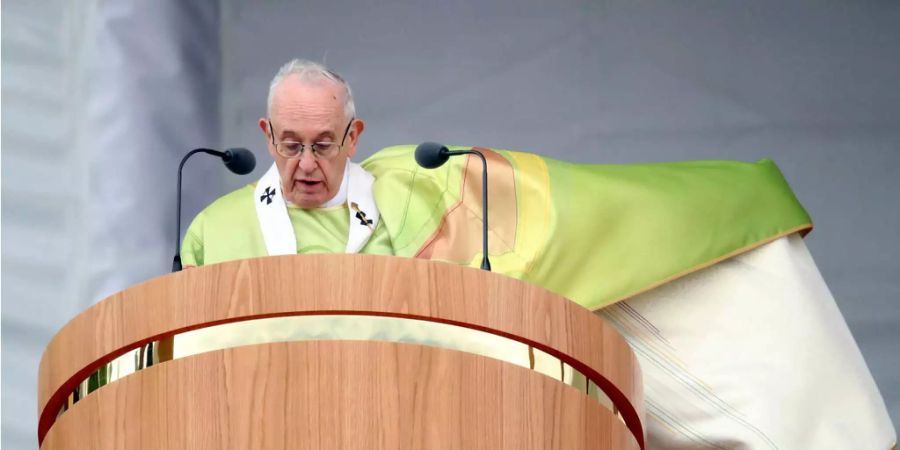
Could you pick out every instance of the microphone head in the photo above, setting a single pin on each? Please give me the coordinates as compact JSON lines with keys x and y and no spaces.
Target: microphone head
{"x":239,"y":160}
{"x":431,"y":155}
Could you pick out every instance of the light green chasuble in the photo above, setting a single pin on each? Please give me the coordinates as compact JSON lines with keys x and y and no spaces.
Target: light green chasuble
{"x":595,"y":234}
{"x":324,"y":230}
{"x":229,"y":229}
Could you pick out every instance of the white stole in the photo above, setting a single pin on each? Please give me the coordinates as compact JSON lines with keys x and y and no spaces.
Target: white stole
{"x":277,"y":230}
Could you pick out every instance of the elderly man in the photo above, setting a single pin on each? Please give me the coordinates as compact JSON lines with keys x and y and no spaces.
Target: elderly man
{"x":313,"y":199}
{"x":701,"y":265}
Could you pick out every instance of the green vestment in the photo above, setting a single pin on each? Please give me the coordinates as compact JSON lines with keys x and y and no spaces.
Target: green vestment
{"x":228,"y":229}
{"x":595,"y":234}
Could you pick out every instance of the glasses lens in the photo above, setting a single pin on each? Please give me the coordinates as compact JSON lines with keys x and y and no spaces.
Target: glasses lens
{"x":325,"y":150}
{"x":288,"y":149}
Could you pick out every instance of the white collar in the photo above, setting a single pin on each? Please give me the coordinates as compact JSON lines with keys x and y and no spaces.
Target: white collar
{"x":355,"y":192}
{"x":341,"y":197}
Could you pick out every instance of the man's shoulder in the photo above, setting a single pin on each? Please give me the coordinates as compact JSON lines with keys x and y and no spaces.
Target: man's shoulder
{"x":232,"y":212}
{"x":227,"y":229}
{"x":237,"y":200}
{"x":233,"y":207}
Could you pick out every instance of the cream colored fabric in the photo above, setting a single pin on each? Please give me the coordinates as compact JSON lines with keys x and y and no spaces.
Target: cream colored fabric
{"x":752,"y":353}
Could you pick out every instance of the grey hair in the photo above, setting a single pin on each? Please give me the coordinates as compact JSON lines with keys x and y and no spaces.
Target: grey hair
{"x":311,"y":71}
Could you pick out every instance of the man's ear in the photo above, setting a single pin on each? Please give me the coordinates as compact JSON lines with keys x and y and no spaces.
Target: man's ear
{"x":353,"y":136}
{"x":264,"y":127}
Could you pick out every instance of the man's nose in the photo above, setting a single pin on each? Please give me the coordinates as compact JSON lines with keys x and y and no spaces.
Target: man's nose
{"x":307,"y":161}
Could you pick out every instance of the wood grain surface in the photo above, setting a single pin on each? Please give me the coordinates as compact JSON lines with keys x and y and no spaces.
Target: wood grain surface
{"x":337,"y":395}
{"x":335,"y":284}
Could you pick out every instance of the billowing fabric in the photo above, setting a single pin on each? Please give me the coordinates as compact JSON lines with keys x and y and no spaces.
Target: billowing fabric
{"x":752,"y":353}
{"x":595,"y":234}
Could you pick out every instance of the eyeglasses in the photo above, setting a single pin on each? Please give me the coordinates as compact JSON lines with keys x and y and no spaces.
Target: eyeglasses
{"x":324,"y":150}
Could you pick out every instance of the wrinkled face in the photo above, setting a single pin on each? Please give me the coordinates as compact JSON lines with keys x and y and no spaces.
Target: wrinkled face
{"x":310,"y":112}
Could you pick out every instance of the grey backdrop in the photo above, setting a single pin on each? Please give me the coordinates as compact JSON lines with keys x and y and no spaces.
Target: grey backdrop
{"x":100,"y":100}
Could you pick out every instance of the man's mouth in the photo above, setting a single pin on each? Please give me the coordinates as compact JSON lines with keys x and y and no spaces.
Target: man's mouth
{"x":307,"y":185}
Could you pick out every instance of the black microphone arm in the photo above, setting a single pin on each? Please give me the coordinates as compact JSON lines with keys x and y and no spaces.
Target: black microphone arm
{"x":432,"y":155}
{"x":238,"y":160}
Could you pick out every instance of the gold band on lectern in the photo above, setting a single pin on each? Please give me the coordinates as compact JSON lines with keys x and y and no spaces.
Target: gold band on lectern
{"x":337,"y":327}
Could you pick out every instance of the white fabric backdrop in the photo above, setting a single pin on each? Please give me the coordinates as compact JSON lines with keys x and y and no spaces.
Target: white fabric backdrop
{"x":102,"y":100}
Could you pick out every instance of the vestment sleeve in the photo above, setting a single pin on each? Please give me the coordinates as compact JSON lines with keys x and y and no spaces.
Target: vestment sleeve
{"x":192,"y":245}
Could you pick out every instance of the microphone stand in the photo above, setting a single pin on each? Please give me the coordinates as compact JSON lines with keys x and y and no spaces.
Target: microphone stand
{"x":176,"y":261}
{"x":485,"y":263}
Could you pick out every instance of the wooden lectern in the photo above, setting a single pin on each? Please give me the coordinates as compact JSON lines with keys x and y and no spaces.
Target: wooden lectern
{"x":338,"y":352}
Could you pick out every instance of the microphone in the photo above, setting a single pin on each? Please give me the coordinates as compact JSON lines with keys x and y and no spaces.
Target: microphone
{"x":431,"y":155}
{"x":238,"y":160}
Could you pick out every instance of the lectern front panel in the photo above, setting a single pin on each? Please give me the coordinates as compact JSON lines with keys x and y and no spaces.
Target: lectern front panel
{"x":337,"y":395}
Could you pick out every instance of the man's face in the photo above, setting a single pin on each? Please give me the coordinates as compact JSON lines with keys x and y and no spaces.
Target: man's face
{"x":309,"y":112}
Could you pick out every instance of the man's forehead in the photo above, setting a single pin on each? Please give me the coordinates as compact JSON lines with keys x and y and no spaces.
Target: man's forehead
{"x":294,"y":90}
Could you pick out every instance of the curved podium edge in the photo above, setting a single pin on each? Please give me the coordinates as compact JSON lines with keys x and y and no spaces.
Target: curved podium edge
{"x":449,"y":294}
